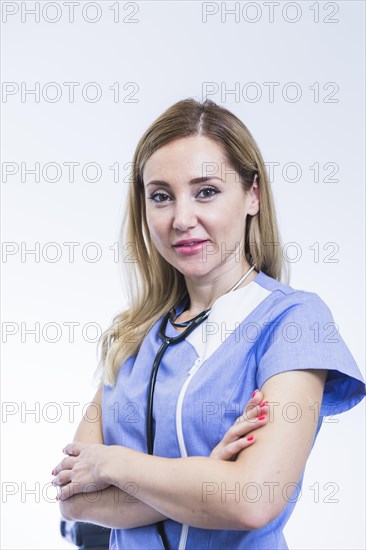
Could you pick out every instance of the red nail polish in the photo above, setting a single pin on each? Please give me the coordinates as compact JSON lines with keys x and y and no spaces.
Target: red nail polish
{"x":53,"y":473}
{"x":262,"y":417}
{"x":250,"y":438}
{"x":264,"y":403}
{"x":255,"y":391}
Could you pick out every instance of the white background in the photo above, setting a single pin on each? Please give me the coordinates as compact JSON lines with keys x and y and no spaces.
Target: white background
{"x":169,"y":54}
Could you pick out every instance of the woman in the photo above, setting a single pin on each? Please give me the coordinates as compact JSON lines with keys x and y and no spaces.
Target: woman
{"x":202,"y":228}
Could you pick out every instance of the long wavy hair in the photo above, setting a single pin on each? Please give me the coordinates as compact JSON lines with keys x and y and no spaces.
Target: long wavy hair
{"x":153,"y":285}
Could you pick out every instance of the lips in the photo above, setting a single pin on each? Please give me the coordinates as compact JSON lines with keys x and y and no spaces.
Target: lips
{"x":189,"y":242}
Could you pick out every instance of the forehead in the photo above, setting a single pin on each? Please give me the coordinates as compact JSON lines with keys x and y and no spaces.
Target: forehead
{"x":190,"y":156}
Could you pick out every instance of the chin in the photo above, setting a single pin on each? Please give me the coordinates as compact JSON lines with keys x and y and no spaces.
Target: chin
{"x":194,"y":271}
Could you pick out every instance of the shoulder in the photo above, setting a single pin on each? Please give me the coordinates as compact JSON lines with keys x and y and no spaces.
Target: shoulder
{"x":284,"y":299}
{"x":297,"y":322}
{"x":301,"y":334}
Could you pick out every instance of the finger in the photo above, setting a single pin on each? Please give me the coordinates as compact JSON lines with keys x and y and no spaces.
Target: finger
{"x":243,"y":443}
{"x":251,"y":414}
{"x":232,"y":449}
{"x":244,"y":425}
{"x":254,"y":401}
{"x":62,"y":478}
{"x":73,"y":449}
{"x":68,"y":491}
{"x":240,"y":429}
{"x":257,"y":396}
{"x":65,"y":464}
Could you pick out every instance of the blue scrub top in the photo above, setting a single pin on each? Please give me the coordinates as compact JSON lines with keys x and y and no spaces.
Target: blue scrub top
{"x":251,"y":334}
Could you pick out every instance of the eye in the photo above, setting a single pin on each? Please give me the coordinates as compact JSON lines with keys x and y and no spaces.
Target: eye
{"x":158,"y":197}
{"x":208,"y":192}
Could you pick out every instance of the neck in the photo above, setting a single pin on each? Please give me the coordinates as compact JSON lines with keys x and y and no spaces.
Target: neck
{"x":202,"y":294}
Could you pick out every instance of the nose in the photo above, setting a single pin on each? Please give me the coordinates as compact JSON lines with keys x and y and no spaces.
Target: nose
{"x":184,"y":214}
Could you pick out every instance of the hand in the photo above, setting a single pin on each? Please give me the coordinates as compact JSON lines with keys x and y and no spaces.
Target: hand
{"x":81,"y":471}
{"x":233,"y":441}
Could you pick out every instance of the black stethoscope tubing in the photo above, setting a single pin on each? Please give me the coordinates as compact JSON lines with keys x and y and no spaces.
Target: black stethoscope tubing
{"x":166,"y":342}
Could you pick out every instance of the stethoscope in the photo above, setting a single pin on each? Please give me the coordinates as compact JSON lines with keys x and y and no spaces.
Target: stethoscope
{"x":166,"y":342}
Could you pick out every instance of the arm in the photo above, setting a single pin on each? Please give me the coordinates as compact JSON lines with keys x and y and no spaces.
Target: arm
{"x":112,"y":506}
{"x":195,"y":490}
{"x":115,"y":508}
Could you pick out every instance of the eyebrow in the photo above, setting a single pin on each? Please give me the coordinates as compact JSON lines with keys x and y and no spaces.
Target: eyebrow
{"x":192,"y":182}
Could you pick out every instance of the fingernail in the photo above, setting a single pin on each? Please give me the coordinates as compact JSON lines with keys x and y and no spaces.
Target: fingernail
{"x":255,"y":391}
{"x":263,"y":404}
{"x":250,"y":438}
{"x":53,"y":473}
{"x":262,"y":417}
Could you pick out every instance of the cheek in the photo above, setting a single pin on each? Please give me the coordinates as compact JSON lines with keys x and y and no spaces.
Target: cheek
{"x":227,"y":218}
{"x":157,"y":224}
{"x":230,"y":224}
{"x":151,"y":217}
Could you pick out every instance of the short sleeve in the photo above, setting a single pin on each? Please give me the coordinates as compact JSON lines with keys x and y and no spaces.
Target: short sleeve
{"x":302,"y":335}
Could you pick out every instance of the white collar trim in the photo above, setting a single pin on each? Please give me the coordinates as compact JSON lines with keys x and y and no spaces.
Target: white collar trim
{"x":227,"y":312}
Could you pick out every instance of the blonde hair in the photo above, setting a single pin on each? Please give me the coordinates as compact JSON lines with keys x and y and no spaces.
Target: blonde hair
{"x":153,"y":285}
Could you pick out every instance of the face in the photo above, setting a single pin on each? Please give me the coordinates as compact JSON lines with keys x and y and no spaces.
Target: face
{"x":196,"y":208}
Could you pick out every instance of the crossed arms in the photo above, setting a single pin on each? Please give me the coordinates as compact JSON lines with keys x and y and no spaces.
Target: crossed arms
{"x":174,"y":487}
